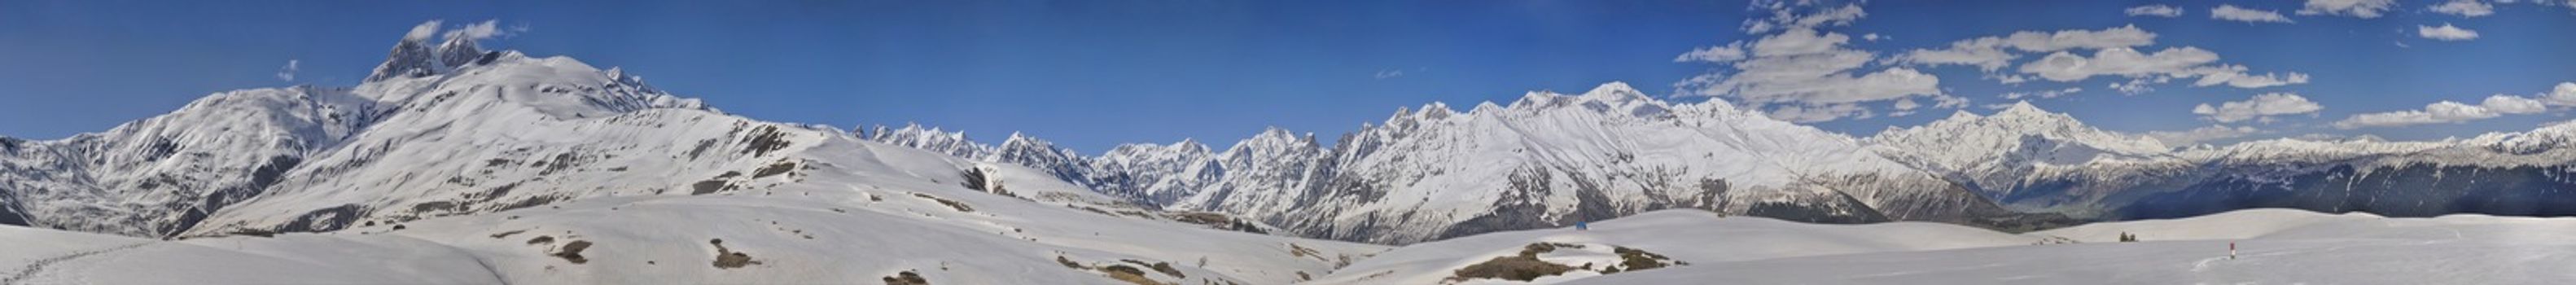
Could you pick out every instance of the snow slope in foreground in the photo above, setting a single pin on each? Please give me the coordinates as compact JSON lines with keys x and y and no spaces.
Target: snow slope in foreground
{"x":859,"y":237}
{"x":2276,"y":247}
{"x":1692,"y":236}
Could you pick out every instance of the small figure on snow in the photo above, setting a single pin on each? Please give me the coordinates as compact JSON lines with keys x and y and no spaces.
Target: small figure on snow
{"x":1582,"y":226}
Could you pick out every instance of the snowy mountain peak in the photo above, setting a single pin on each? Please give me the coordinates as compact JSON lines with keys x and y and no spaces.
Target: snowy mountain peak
{"x":410,"y":57}
{"x":1614,"y":99}
{"x":1275,"y":137}
{"x":558,"y":87}
{"x":1435,"y":111}
{"x":1189,"y":143}
{"x":929,"y":138}
{"x":2023,"y":108}
{"x":2555,"y":136}
{"x":1615,"y":92}
{"x":460,"y":51}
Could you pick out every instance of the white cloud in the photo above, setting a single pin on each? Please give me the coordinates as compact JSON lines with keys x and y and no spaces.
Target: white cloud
{"x":2465,"y":8}
{"x":2135,"y":86}
{"x":1785,"y":15}
{"x":1986,"y":58}
{"x":2509,"y":104}
{"x":1949,"y":102}
{"x":1808,"y":73}
{"x":1818,"y":113}
{"x":1907,"y":104}
{"x":2042,"y":94}
{"x":422,"y":32}
{"x":2446,"y":32}
{"x":2232,"y":13}
{"x":2065,"y":66}
{"x":2563,"y":95}
{"x":2199,"y":135}
{"x":2158,"y":67}
{"x":475,"y":31}
{"x":2113,"y":54}
{"x":2261,"y":107}
{"x":2235,"y":76}
{"x":287,"y":73}
{"x":2158,"y":10}
{"x":1390,"y":73}
{"x":1987,"y":52}
{"x":2439,"y":112}
{"x":2365,"y":9}
{"x":1720,"y":54}
{"x":1800,"y":42}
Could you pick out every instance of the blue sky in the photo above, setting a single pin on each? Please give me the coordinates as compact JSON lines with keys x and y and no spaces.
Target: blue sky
{"x":1093,"y":74}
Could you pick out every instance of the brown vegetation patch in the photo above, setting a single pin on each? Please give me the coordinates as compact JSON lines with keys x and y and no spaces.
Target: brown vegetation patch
{"x":906,"y":278}
{"x":1515,"y":268}
{"x":1129,"y":274}
{"x":572,"y":252}
{"x":1068,"y":263}
{"x":1163,"y":267}
{"x":1532,"y":250}
{"x":1633,"y":259}
{"x":727,"y":258}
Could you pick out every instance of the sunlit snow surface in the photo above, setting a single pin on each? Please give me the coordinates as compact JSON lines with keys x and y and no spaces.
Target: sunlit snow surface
{"x":667,"y":240}
{"x":2276,"y":247}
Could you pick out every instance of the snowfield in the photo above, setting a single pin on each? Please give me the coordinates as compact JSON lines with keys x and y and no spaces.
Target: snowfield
{"x":1692,"y":236}
{"x":673,"y":240}
{"x":682,"y":240}
{"x":2276,"y":248}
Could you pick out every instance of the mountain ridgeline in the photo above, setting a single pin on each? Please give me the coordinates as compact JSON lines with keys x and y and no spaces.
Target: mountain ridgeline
{"x":451,"y":129}
{"x":1550,"y":160}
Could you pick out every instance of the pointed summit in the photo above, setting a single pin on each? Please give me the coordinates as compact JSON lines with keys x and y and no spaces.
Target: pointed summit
{"x":415,"y":57}
{"x":2022,"y":108}
{"x":1614,"y":91}
{"x":410,"y":57}
{"x":459,"y":50}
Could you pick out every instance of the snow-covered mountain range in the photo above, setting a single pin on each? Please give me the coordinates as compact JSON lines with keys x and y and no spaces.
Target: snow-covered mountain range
{"x":1554,"y":159}
{"x":1545,"y":160}
{"x":450,"y":129}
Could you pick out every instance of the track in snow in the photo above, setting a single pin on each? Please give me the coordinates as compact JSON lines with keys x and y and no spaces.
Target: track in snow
{"x":40,"y":265}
